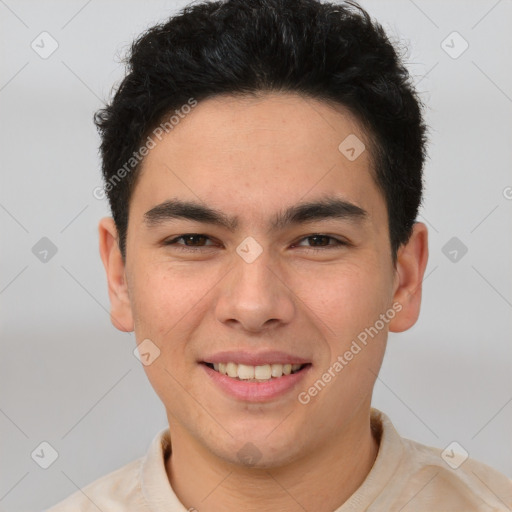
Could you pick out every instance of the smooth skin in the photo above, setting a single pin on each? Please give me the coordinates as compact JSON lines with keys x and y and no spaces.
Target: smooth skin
{"x":252,"y":158}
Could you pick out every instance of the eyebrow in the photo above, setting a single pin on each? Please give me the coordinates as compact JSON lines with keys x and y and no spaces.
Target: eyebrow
{"x":323,"y":209}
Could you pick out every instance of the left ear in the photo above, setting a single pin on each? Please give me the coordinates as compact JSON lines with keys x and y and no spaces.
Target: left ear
{"x":412,"y":260}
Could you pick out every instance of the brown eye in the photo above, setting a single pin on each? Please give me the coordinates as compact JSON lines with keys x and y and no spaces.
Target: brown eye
{"x":319,"y":241}
{"x":190,"y":240}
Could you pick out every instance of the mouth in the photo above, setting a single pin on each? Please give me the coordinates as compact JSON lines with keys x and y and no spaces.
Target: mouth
{"x":258,"y":377}
{"x":260,"y":373}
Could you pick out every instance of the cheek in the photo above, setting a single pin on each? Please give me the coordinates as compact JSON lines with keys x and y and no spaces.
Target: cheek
{"x":347,"y":297}
{"x":155,"y":304}
{"x":358,"y":334}
{"x":167,"y":307}
{"x":169,"y":300}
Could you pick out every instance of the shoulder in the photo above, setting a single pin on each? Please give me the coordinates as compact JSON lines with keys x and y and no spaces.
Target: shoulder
{"x":409,"y":475}
{"x":451,"y":478}
{"x":108,"y":493}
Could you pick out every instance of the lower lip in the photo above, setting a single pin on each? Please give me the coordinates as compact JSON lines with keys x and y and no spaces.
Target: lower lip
{"x":256,"y":391}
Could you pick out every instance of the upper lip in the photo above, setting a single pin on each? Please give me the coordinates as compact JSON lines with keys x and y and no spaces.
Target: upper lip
{"x":254,"y":358}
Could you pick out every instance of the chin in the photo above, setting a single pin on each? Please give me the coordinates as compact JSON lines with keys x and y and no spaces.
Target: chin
{"x":258,"y":454}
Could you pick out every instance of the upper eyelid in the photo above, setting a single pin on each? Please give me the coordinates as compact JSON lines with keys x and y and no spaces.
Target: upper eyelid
{"x":339,"y":239}
{"x":172,"y":240}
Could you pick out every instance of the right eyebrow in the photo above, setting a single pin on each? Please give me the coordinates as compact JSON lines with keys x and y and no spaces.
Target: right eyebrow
{"x":189,"y":210}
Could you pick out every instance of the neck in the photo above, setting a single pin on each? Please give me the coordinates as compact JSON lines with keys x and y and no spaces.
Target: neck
{"x":321,"y":480}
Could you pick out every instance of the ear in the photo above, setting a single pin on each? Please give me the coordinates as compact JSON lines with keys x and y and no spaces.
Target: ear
{"x":412,"y":260}
{"x":120,"y":308}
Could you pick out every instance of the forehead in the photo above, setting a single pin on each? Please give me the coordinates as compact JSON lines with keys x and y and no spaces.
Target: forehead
{"x":251,"y":154}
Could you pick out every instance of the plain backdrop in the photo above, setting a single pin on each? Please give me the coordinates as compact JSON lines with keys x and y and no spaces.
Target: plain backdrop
{"x":68,"y":378}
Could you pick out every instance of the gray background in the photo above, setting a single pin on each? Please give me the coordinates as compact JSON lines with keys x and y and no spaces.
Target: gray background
{"x":69,"y":378}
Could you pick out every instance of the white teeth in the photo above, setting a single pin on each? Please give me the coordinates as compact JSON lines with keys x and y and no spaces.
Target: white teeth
{"x":232,"y":370}
{"x":245,"y":372}
{"x":262,"y":372}
{"x":277,"y":370}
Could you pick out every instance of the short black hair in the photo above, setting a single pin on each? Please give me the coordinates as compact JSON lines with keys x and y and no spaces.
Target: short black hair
{"x":326,"y":51}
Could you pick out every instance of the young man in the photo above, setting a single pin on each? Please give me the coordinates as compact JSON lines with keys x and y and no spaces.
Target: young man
{"x":263,"y":162}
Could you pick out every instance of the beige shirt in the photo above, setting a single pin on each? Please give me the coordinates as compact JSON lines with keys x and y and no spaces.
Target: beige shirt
{"x":406,"y":476}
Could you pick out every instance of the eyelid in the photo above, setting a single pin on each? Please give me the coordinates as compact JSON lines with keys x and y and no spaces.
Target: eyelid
{"x":339,"y":241}
{"x":172,"y":241}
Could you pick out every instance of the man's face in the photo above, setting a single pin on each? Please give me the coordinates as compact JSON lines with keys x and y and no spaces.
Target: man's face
{"x":299,"y":301}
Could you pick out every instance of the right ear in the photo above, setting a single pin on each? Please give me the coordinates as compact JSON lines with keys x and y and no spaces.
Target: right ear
{"x":120,"y":307}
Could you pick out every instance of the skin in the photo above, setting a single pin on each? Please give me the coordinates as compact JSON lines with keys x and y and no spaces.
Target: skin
{"x":251,"y":158}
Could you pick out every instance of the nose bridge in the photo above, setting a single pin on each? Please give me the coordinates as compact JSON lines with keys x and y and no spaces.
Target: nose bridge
{"x":253,"y":277}
{"x":254,"y":293}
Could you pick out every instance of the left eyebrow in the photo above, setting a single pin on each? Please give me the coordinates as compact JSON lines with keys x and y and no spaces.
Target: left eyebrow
{"x":323,"y":209}
{"x":301,"y":213}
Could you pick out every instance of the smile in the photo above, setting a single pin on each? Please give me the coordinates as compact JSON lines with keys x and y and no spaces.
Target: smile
{"x":260,"y":373}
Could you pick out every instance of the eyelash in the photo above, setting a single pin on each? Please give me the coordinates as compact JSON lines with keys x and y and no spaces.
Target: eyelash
{"x":186,"y":248}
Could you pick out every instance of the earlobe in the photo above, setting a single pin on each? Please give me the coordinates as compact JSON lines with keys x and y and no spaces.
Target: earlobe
{"x":120,"y":307}
{"x":411,"y":264}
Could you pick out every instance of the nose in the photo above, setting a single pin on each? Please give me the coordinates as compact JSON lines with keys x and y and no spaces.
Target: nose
{"x":254,"y":297}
